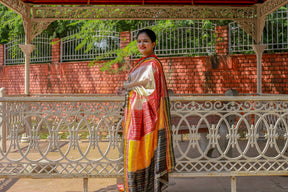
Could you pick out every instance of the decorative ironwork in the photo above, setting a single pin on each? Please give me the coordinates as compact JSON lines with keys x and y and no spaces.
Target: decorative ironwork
{"x":103,"y":43}
{"x":33,"y":28}
{"x":233,"y":136}
{"x":275,"y":34}
{"x":39,"y":27}
{"x":182,"y":40}
{"x":82,"y":136}
{"x":213,"y":136}
{"x":259,"y":49}
{"x":41,"y":53}
{"x":270,"y":6}
{"x":144,"y":12}
{"x":249,"y":26}
{"x":27,"y":49}
{"x":17,"y":6}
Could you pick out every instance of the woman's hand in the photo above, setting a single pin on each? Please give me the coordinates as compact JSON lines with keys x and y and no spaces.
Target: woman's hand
{"x":120,"y":91}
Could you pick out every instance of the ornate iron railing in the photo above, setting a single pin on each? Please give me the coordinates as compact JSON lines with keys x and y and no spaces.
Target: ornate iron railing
{"x":101,"y":44}
{"x":189,"y":39}
{"x":82,"y":136}
{"x":41,"y":53}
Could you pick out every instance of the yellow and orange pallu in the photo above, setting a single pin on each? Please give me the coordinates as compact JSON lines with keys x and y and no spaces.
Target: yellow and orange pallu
{"x":148,"y":152}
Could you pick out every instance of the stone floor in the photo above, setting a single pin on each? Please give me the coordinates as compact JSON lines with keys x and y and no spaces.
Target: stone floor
{"x":195,"y":184}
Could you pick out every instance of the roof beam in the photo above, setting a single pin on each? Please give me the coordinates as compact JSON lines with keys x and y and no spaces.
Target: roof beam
{"x":143,"y":13}
{"x":18,"y":6}
{"x":270,"y":6}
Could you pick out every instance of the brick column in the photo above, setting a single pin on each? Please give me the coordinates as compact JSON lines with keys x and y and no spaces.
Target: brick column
{"x":125,"y":39}
{"x":1,"y":55}
{"x":55,"y":52}
{"x":221,"y":47}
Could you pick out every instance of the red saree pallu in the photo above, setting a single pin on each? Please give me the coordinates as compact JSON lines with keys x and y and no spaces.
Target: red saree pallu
{"x":148,"y":152}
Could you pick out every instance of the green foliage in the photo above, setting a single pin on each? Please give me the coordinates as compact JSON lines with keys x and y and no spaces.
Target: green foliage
{"x":121,"y":54}
{"x":160,"y":27}
{"x":59,"y":28}
{"x":11,"y":24}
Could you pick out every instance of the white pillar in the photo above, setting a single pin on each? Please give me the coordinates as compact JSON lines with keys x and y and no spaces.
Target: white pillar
{"x":27,"y":50}
{"x":3,"y":133}
{"x":259,"y":49}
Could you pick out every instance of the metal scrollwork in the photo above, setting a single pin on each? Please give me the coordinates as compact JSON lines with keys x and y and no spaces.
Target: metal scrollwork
{"x":270,"y":6}
{"x":144,"y":12}
{"x":84,"y":136}
{"x":18,"y":6}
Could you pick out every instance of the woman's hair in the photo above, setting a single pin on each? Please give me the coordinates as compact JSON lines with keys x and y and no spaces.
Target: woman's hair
{"x":149,"y":32}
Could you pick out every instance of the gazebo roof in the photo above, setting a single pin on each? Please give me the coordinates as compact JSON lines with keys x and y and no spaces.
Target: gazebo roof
{"x":146,"y":2}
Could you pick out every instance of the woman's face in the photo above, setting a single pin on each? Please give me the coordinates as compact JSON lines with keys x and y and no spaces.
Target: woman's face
{"x":144,"y":44}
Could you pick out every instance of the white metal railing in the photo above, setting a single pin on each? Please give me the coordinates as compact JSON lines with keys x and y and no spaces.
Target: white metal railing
{"x":101,"y":45}
{"x":82,"y":136}
{"x":40,"y":54}
{"x":185,"y":39}
{"x":275,"y":34}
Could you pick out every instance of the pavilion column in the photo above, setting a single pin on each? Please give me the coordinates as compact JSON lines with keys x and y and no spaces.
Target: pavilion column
{"x":254,"y":27}
{"x":259,"y":49}
{"x":27,"y":50}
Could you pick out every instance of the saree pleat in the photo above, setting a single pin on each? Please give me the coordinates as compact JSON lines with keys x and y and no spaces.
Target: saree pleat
{"x":148,"y":151}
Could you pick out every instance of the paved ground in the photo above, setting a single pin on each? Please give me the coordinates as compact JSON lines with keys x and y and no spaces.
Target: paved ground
{"x":199,"y":184}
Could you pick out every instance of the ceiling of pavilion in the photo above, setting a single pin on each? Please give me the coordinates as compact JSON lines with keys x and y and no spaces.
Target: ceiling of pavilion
{"x":146,"y":2}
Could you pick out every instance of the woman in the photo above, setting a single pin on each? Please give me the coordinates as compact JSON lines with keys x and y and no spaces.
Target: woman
{"x":148,"y":152}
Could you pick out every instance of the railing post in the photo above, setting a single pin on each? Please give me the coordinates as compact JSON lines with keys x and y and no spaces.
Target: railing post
{"x":233,"y":184}
{"x":3,"y":134}
{"x":85,"y":184}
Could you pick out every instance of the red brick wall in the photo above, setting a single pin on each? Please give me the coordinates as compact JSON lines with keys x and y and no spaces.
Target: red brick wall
{"x":71,"y":77}
{"x":185,"y":75}
{"x":194,"y":75}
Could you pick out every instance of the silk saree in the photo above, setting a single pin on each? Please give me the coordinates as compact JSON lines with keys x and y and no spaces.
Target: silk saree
{"x":148,"y":150}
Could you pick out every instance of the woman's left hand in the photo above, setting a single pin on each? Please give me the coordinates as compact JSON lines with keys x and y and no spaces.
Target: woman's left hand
{"x":120,"y":91}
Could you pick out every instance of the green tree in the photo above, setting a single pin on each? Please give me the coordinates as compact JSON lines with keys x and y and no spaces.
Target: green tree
{"x":87,"y":31}
{"x":10,"y":24}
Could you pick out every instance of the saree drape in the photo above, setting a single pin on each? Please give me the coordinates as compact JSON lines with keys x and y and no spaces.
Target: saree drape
{"x":148,"y":150}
